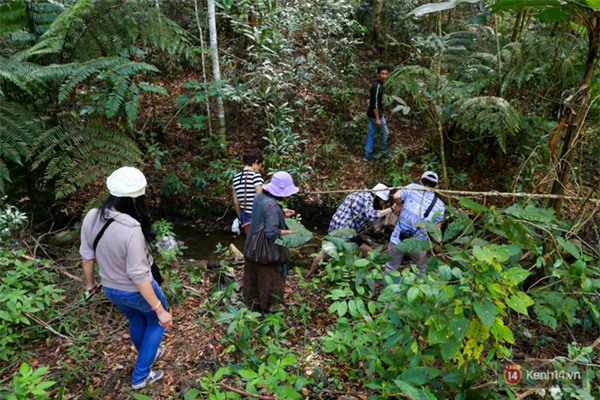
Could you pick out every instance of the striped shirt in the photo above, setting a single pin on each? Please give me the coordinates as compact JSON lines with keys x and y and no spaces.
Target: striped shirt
{"x":415,"y":205}
{"x":354,"y":212}
{"x":246,"y":181}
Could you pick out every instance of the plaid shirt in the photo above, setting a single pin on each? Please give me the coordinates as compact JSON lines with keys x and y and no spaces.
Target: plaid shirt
{"x":354,"y":212}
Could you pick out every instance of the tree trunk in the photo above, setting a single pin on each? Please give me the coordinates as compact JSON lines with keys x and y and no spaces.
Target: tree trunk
{"x":574,"y":114}
{"x":214,"y":50}
{"x":376,"y":35}
{"x":201,"y":36}
{"x":517,"y":26}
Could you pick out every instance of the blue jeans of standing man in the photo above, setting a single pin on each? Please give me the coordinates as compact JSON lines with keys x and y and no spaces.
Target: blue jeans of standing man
{"x":383,"y":134}
{"x":146,"y":333}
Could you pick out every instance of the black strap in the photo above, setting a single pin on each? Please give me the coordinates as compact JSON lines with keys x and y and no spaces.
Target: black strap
{"x":430,"y":206}
{"x":108,"y":222}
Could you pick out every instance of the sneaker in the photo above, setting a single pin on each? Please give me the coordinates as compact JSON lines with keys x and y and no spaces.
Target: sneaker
{"x":159,"y":353}
{"x":152,"y":377}
{"x":366,"y":158}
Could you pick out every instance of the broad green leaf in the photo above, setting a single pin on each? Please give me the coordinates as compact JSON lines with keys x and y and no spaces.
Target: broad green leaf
{"x":551,"y":15}
{"x":289,"y":360}
{"x":138,"y":396}
{"x":593,"y":3}
{"x":434,"y":231}
{"x":287,"y":392}
{"x":486,"y":312}
{"x":343,"y":233}
{"x":5,"y":316}
{"x":515,"y":275}
{"x":519,"y":4}
{"x":517,"y":233}
{"x":502,"y":332}
{"x":300,"y":236}
{"x":519,"y":302}
{"x":247,"y":374}
{"x":330,"y":249}
{"x":445,"y":272}
{"x":459,"y":327}
{"x":472,"y":205}
{"x":413,"y":245}
{"x":449,"y":348}
{"x":438,"y":334}
{"x":419,"y":375}
{"x":337,"y":242}
{"x":570,"y":247}
{"x":491,"y":254}
{"x":454,"y":228}
{"x":361,"y":263}
{"x":412,"y":294}
{"x":191,"y":394}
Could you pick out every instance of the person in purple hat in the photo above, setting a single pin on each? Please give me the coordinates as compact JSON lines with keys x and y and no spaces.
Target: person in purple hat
{"x":265,"y":284}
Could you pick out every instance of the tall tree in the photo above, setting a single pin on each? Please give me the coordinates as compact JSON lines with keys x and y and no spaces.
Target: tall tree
{"x":214,"y":50}
{"x":572,"y":118}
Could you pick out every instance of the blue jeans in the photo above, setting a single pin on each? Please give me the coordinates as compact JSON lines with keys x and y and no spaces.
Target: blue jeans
{"x":146,"y":333}
{"x":244,"y":217}
{"x":383,"y":134}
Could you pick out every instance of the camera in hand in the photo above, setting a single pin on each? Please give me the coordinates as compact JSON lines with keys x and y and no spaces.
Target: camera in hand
{"x":406,"y":234}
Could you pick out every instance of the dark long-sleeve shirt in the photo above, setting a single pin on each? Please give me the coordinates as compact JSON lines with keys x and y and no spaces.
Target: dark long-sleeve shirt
{"x":376,"y":99}
{"x":274,"y":218}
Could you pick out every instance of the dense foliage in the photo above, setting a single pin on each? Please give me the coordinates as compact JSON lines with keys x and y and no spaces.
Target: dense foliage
{"x":500,"y":95}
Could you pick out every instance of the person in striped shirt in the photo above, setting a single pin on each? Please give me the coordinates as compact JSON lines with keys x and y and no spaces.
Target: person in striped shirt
{"x":247,"y":183}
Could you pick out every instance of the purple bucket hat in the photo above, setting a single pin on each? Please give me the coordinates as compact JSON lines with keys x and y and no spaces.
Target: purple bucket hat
{"x":281,"y":185}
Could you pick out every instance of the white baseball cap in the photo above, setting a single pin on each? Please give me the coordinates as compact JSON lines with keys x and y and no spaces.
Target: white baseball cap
{"x":381,"y":191}
{"x":126,"y":182}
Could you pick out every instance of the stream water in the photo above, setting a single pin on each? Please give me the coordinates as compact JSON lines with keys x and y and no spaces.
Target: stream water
{"x":201,"y":245}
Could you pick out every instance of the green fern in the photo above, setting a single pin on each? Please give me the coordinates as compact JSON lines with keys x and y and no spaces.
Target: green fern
{"x":19,"y":73}
{"x":83,"y":155}
{"x":13,"y":17}
{"x":18,"y":129}
{"x":487,"y":117}
{"x":103,"y":28}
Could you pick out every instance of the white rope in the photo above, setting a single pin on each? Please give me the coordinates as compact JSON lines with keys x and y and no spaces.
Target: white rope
{"x":463,"y":193}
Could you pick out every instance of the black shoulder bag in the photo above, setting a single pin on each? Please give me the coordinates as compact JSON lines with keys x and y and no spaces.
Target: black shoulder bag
{"x":153,"y":268}
{"x":260,"y":250}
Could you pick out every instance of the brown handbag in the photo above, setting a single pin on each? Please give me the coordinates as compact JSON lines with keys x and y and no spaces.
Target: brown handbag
{"x":262,"y":251}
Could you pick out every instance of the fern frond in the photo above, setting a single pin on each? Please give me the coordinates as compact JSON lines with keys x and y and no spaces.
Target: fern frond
{"x":19,"y":73}
{"x":17,"y":129}
{"x":116,"y":97}
{"x":487,"y":117}
{"x":89,"y":153}
{"x":101,"y":28}
{"x":4,"y":175}
{"x":13,"y":17}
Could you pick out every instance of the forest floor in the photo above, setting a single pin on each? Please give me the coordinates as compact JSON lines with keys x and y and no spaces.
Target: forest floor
{"x":96,"y":362}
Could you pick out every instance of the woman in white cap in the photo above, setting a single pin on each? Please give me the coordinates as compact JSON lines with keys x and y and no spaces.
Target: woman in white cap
{"x":265,"y":284}
{"x":116,"y":236}
{"x":354,"y":213}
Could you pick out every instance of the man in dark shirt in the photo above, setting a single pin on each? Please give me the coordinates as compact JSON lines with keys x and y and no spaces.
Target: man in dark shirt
{"x":375,"y":114}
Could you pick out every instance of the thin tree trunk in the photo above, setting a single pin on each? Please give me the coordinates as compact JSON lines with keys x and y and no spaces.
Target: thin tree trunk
{"x":575,"y":114}
{"x":517,"y":26}
{"x":203,"y":64}
{"x":376,"y":22}
{"x":212,"y":28}
{"x":438,"y":120}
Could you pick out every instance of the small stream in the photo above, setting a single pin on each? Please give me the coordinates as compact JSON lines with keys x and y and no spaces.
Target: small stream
{"x":202,"y":244}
